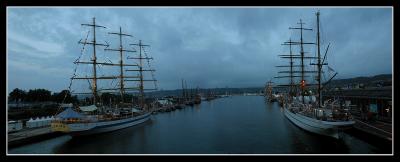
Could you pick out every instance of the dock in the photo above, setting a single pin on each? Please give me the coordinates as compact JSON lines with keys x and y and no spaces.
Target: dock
{"x":371,"y":108}
{"x":31,"y":135}
{"x":376,"y":128}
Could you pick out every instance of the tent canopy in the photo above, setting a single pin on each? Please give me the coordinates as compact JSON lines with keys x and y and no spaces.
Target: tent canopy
{"x":135,"y":110}
{"x":69,"y":113}
{"x":67,"y":105}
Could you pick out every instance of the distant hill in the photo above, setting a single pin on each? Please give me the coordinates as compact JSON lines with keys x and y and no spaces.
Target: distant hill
{"x":218,"y":91}
{"x":178,"y":92}
{"x":384,"y":79}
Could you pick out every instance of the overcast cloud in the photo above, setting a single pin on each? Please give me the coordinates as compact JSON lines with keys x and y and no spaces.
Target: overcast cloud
{"x":208,"y":47}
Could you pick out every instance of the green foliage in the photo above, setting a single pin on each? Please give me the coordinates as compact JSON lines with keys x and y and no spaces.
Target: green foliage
{"x":64,"y":97}
{"x":38,"y":95}
{"x":17,"y":95}
{"x":41,"y":95}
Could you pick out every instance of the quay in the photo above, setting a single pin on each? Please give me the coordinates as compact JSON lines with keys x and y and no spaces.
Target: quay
{"x":30,"y":135}
{"x":376,"y":128}
{"x":371,"y":108}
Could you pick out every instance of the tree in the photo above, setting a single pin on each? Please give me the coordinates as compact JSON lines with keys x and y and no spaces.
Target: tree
{"x":87,"y":100}
{"x":39,"y":95}
{"x":63,"y":96}
{"x":105,"y":98}
{"x":17,"y":95}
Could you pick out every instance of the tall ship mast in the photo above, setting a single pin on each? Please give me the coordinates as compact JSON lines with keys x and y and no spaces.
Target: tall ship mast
{"x":142,"y":56}
{"x":269,"y":92}
{"x":328,"y":119}
{"x":121,"y":64}
{"x":302,"y":83}
{"x":99,"y":117}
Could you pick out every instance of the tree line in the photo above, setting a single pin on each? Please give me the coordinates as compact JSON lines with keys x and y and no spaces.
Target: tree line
{"x":41,"y":95}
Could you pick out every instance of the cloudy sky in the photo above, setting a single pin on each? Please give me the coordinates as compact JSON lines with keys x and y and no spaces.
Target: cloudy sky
{"x":208,"y":47}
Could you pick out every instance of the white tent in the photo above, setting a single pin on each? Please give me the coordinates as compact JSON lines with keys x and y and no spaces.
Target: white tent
{"x":31,"y":123}
{"x":47,"y":121}
{"x":39,"y":122}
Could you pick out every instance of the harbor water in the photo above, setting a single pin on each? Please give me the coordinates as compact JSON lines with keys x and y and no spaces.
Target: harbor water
{"x":231,"y":125}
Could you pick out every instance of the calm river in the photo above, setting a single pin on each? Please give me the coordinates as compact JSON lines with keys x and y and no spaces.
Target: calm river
{"x":233,"y":125}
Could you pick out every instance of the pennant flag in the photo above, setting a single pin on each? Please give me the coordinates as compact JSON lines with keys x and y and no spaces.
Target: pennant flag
{"x":330,"y":69}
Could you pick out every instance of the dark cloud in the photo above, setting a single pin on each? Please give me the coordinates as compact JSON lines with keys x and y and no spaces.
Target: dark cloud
{"x":208,"y":47}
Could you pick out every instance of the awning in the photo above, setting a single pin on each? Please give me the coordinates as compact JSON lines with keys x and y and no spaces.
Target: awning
{"x":88,"y":108}
{"x":69,"y":113}
{"x":66,"y":105}
{"x":135,"y":110}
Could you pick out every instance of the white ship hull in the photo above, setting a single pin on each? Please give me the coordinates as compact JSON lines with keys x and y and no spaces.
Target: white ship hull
{"x":326,"y":128}
{"x":82,"y":129}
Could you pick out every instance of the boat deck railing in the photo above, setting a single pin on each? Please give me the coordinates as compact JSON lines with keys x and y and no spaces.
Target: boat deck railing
{"x":335,"y":114}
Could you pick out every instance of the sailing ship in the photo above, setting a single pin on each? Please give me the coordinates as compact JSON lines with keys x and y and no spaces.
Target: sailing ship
{"x":305,"y":109}
{"x":269,"y":95}
{"x":99,"y":117}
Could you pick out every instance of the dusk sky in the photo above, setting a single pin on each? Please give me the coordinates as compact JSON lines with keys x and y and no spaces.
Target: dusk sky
{"x":208,"y":47}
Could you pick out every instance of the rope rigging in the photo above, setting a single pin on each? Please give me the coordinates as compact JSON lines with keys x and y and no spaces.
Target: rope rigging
{"x":152,"y":72}
{"x":74,"y":74}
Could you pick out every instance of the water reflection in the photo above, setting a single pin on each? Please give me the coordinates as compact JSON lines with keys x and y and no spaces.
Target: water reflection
{"x":238,"y":124}
{"x":107,"y":143}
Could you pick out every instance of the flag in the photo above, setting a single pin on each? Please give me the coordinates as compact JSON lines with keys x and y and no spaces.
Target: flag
{"x":330,"y":69}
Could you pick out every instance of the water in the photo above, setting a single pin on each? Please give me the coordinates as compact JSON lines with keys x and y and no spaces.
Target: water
{"x":234,"y":125}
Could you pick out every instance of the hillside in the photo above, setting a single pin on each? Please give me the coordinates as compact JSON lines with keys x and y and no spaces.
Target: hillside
{"x":384,"y":79}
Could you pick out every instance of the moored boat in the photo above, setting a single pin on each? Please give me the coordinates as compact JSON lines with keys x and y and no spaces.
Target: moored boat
{"x":303,"y":108}
{"x":100,"y":117}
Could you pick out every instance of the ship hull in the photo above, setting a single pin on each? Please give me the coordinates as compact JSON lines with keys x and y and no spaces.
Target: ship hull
{"x":326,"y":128}
{"x":85,"y":129}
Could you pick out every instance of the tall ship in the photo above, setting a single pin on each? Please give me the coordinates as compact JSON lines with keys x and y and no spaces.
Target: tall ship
{"x":269,"y":95}
{"x":108,"y":108}
{"x":305,"y":108}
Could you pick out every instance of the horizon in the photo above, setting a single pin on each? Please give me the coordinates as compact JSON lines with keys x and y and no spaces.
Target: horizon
{"x":262,"y":86}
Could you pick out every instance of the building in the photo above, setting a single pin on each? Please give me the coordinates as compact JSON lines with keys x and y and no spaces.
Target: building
{"x":14,"y":126}
{"x":374,"y":102}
